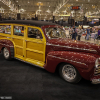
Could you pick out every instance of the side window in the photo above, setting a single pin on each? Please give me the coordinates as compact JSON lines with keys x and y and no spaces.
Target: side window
{"x":34,"y":33}
{"x":5,"y":29}
{"x":19,"y":30}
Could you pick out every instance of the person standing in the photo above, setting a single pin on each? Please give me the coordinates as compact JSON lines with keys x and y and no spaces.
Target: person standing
{"x":88,"y":33}
{"x":99,"y":35}
{"x":74,"y":34}
{"x":79,"y":33}
{"x":71,"y":32}
{"x":91,"y":30}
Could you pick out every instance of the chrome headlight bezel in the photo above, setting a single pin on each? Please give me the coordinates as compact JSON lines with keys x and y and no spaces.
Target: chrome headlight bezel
{"x":97,"y":62}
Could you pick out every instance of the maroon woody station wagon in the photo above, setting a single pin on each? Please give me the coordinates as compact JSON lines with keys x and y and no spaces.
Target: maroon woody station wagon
{"x":45,"y":45}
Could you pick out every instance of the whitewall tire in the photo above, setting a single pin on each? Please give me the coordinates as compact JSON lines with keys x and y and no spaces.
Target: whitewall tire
{"x":6,"y":54}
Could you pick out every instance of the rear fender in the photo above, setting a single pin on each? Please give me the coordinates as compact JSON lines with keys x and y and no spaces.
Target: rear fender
{"x":9,"y":44}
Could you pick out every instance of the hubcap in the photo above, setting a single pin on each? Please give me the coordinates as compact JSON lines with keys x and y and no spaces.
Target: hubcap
{"x":69,"y":72}
{"x":6,"y":53}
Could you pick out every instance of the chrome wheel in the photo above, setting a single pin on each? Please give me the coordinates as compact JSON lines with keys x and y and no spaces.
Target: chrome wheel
{"x":69,"y":72}
{"x":6,"y":53}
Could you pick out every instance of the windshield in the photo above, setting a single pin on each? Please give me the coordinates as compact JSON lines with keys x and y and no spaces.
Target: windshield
{"x":55,"y":33}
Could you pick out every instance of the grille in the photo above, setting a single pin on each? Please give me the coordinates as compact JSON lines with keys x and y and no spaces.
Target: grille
{"x":97,"y":71}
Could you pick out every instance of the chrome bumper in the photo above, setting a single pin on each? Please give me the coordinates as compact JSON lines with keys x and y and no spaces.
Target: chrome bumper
{"x":96,"y":81}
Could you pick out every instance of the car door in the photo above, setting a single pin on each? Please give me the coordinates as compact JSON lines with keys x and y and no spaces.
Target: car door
{"x":18,"y":39}
{"x":35,"y":44}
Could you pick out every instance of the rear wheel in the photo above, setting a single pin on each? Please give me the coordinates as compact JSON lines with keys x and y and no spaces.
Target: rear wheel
{"x":69,"y":73}
{"x":6,"y":54}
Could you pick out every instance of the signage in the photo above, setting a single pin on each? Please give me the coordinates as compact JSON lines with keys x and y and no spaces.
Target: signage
{"x":75,"y":7}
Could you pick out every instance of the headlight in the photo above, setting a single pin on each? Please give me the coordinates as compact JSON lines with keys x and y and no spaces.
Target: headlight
{"x":97,"y":62}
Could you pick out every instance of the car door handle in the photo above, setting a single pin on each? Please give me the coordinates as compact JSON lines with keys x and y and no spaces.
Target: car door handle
{"x":25,"y":40}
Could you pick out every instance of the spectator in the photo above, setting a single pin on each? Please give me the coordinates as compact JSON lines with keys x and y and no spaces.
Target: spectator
{"x":74,"y":34}
{"x":70,"y":32}
{"x":80,"y":31}
{"x":99,"y":34}
{"x":88,"y":33}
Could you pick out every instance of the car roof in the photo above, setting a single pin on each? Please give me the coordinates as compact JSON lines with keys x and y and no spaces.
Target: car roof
{"x":28,"y":22}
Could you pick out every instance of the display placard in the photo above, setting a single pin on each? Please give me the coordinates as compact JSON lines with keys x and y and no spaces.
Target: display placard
{"x":75,"y":7}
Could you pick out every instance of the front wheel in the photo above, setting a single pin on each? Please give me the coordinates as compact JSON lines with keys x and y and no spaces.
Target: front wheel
{"x":69,"y":73}
{"x":6,"y":54}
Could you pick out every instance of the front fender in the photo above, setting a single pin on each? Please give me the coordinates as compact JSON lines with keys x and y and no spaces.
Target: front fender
{"x":84,"y":63}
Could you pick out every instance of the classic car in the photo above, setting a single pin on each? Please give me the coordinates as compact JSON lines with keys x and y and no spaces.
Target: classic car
{"x":45,"y":45}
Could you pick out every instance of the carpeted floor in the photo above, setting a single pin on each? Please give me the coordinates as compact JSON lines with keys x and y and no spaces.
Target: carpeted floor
{"x":22,"y":81}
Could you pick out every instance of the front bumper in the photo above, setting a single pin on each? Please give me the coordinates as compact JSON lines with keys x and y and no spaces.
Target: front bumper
{"x":95,"y":79}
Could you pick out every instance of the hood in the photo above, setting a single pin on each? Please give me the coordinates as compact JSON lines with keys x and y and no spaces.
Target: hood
{"x":74,"y":45}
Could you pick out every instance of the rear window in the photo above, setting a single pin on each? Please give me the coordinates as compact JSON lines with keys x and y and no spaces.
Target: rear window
{"x":5,"y":29}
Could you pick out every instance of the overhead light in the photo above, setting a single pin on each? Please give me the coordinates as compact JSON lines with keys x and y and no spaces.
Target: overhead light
{"x":64,"y":11}
{"x":28,"y":2}
{"x":39,"y":10}
{"x":49,"y":6}
{"x":16,"y":1}
{"x":76,"y":0}
{"x":48,"y":11}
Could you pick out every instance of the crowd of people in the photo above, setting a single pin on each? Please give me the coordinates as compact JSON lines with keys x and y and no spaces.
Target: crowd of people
{"x":77,"y":32}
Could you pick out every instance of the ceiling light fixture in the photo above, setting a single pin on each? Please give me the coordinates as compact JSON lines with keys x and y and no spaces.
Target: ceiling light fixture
{"x":2,"y":10}
{"x":60,"y":6}
{"x":48,"y":11}
{"x":9,"y":3}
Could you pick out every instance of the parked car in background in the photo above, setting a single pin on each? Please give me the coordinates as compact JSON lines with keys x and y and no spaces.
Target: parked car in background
{"x":45,"y":45}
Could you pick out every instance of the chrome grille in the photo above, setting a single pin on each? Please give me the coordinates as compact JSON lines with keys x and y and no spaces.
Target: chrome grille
{"x":97,"y":71}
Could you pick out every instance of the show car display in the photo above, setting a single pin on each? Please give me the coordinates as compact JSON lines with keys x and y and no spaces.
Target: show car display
{"x":45,"y":45}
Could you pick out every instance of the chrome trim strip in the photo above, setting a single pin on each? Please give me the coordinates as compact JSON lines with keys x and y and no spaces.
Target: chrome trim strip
{"x":28,"y":62}
{"x":97,"y":71}
{"x":6,"y":45}
{"x":67,"y":59}
{"x":71,"y":47}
